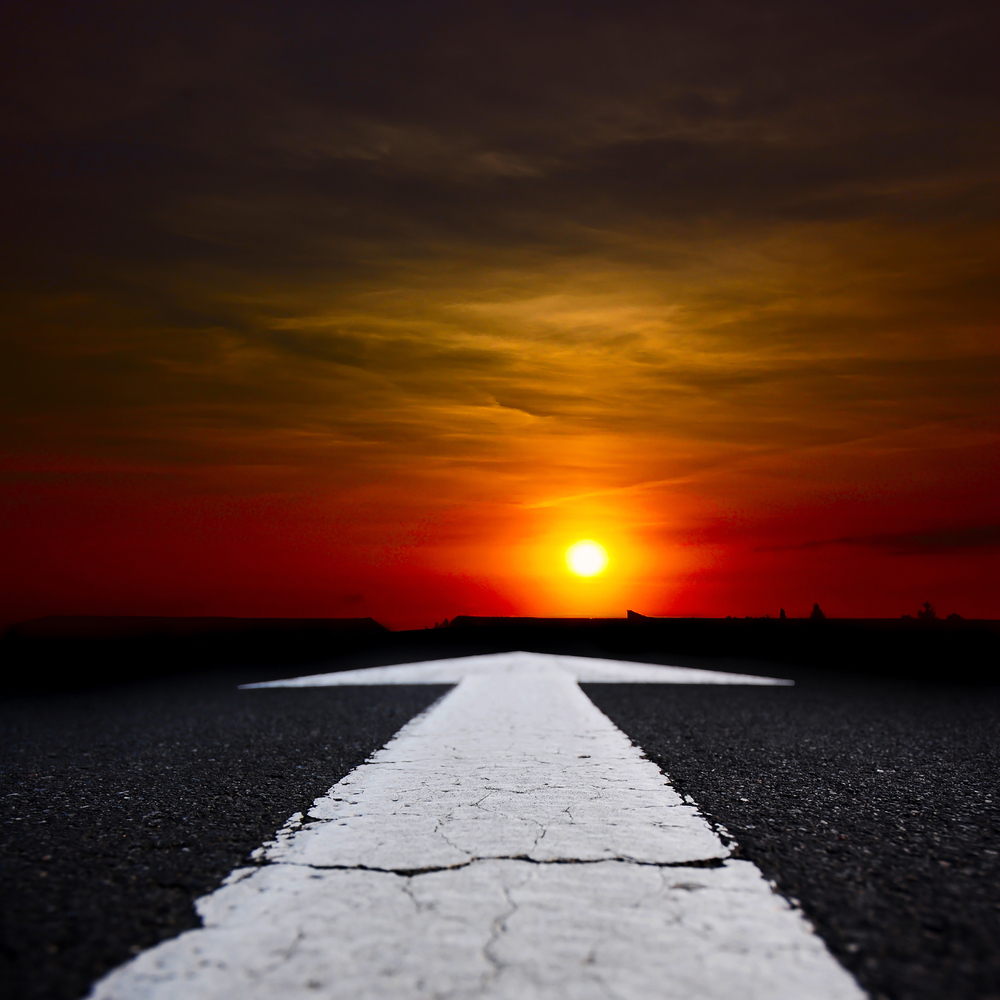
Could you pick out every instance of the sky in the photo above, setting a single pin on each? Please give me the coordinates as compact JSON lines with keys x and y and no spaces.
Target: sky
{"x":346,"y":309}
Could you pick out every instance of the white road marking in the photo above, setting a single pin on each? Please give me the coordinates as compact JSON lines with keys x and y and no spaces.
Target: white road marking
{"x":508,"y":843}
{"x":511,"y":764}
{"x":585,"y":669}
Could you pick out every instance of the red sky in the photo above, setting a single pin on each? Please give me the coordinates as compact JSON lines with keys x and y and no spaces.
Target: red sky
{"x":374,"y":309}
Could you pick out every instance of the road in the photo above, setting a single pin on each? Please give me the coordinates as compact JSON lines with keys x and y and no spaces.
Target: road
{"x":872,"y":803}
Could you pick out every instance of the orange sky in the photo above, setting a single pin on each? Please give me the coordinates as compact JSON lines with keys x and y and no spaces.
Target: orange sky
{"x":373,"y":309}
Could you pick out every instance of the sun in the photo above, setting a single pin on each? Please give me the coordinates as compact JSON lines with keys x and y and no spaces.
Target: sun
{"x":586,"y":558}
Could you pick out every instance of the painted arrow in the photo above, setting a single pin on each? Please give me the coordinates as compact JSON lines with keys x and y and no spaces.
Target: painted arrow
{"x":510,"y":842}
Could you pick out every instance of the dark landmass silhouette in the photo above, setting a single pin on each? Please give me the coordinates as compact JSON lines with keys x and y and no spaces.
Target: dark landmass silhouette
{"x":65,"y":653}
{"x":69,"y":652}
{"x":84,"y":627}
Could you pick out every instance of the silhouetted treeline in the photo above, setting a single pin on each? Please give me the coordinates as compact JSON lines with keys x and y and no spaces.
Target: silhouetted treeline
{"x":51,"y":654}
{"x":951,"y":649}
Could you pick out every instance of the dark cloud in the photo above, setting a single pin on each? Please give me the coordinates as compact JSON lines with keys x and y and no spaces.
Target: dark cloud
{"x":931,"y":540}
{"x":500,"y":253}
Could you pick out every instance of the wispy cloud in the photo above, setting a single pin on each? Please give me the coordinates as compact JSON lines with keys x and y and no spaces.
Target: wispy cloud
{"x":910,"y":542}
{"x":666,"y":264}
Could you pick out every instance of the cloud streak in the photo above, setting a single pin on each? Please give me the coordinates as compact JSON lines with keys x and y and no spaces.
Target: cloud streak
{"x":910,"y":543}
{"x":469,"y":262}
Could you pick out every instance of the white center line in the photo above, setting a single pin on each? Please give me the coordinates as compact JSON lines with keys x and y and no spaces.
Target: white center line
{"x":510,"y":842}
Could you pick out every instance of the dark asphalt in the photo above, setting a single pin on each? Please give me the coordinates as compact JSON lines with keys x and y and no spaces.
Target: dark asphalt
{"x":121,"y":806}
{"x":876,"y":804}
{"x":871,"y":802}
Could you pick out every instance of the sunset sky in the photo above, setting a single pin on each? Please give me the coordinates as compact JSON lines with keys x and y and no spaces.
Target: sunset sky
{"x":371,"y":308}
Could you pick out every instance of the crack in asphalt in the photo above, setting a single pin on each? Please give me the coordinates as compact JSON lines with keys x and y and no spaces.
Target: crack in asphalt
{"x":430,"y":869}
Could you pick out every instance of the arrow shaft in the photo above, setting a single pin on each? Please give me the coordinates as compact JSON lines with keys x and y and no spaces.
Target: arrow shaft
{"x":510,"y":764}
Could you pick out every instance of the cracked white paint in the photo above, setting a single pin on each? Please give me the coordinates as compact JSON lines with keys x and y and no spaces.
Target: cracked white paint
{"x":515,"y":763}
{"x":509,"y":843}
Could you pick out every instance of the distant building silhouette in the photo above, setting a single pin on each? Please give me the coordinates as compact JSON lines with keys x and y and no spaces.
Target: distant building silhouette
{"x":817,"y":613}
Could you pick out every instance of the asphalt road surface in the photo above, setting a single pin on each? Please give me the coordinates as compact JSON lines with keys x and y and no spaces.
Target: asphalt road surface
{"x":871,"y":802}
{"x":123,"y":805}
{"x":876,"y":804}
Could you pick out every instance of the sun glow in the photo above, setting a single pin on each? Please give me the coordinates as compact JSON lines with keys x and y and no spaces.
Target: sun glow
{"x":586,"y":558}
